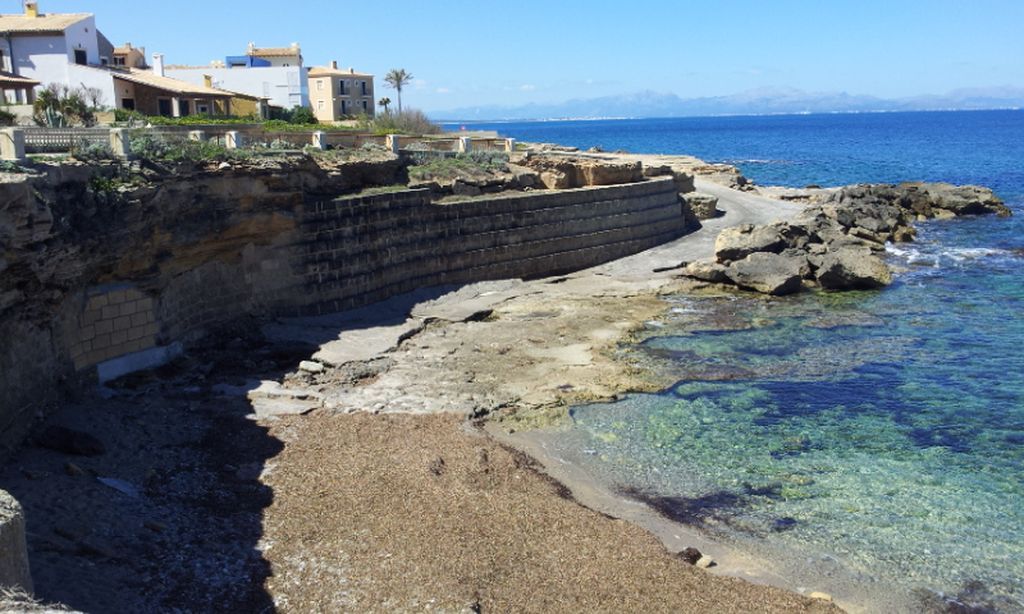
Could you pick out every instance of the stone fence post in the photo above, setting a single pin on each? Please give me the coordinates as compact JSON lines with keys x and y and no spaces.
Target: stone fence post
{"x":392,"y":142}
{"x":320,"y":140}
{"x":120,"y":143}
{"x":12,"y":144}
{"x":232,"y":139}
{"x":510,"y":145}
{"x":465,"y":144}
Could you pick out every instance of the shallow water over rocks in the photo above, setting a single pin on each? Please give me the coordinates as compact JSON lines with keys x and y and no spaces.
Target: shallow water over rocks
{"x":865,"y":436}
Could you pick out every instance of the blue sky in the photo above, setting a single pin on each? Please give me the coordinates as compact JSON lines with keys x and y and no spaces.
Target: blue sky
{"x":467,"y":52}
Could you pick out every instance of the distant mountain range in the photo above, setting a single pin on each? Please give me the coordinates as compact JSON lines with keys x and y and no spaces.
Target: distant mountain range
{"x":760,"y":101}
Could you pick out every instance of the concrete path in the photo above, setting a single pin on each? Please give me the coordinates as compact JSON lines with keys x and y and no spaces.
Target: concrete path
{"x":739,"y":208}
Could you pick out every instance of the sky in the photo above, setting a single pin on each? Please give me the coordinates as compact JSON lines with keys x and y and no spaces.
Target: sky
{"x":475,"y":53}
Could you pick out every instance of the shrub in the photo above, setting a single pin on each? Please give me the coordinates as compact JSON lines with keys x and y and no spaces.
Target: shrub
{"x":433,"y":166}
{"x":7,"y":118}
{"x":412,"y":121}
{"x":91,"y":150}
{"x":58,"y":105}
{"x":7,"y":166}
{"x":151,"y":146}
{"x":303,"y":116}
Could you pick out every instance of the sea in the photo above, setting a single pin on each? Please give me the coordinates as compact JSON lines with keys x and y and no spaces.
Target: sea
{"x":871,"y":442}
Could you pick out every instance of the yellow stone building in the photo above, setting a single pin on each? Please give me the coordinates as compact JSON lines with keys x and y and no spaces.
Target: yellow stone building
{"x":335,"y":94}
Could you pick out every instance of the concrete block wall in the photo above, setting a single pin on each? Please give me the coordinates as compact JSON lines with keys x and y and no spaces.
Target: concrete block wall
{"x":115,"y":321}
{"x":359,"y":250}
{"x":354,"y":251}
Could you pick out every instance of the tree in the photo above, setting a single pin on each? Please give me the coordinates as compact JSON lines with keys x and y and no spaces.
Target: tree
{"x":398,"y":78}
{"x":384,"y":102}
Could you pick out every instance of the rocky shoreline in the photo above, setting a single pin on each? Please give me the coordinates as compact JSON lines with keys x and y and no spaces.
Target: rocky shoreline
{"x":838,"y":244}
{"x":452,"y":519}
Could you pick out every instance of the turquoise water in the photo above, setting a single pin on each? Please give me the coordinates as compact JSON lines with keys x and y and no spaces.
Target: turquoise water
{"x":882,"y":432}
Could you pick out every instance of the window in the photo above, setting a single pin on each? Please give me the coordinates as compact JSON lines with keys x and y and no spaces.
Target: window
{"x":80,"y":57}
{"x":104,"y":61}
{"x":341,"y":87}
{"x":319,"y":85}
{"x":319,"y":105}
{"x":344,"y":108}
{"x":128,"y":103}
{"x":118,"y":61}
{"x":183,"y":108}
{"x":2,"y":64}
{"x":364,"y":88}
{"x":364,"y":107}
{"x":164,"y":106}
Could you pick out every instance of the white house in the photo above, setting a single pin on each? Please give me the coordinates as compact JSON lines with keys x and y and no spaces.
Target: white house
{"x":274,"y":73}
{"x":58,"y":48}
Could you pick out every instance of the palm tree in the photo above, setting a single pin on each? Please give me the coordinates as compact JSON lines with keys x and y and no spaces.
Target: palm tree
{"x":384,"y":102}
{"x":398,"y":78}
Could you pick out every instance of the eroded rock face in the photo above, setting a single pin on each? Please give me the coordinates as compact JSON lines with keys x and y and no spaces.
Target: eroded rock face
{"x":564,"y":172}
{"x":768,"y":273}
{"x":14,"y":570}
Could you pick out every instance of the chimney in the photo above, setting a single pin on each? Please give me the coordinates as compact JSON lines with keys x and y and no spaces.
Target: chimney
{"x":251,"y":50}
{"x":295,"y":47}
{"x":158,"y":64}
{"x":334,"y":64}
{"x":208,"y":81}
{"x":32,"y":9}
{"x":351,"y":70}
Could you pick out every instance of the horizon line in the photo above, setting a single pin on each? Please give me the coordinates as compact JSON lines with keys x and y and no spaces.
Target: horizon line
{"x":718,"y":115}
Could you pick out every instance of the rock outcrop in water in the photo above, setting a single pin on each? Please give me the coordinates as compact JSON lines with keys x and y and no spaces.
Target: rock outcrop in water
{"x":839,"y":243}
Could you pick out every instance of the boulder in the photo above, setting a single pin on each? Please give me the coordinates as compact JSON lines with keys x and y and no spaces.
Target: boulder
{"x":851,"y":268}
{"x":738,"y":242}
{"x":707,"y":270}
{"x":703,"y":206}
{"x":768,"y":273}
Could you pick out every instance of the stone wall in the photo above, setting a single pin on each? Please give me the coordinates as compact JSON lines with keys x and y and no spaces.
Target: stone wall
{"x":361,"y":250}
{"x":95,"y":285}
